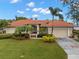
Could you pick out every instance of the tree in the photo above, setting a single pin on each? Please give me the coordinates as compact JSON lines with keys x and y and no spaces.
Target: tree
{"x":60,"y":16}
{"x":25,"y":28}
{"x":28,"y":28}
{"x":3,"y":23}
{"x":65,"y":1}
{"x":19,"y":30}
{"x":20,"y":18}
{"x":23,"y":32}
{"x":55,"y":12}
{"x":73,"y":10}
{"x":42,"y":29}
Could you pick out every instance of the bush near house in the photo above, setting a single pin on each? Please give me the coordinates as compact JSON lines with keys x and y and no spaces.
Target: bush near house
{"x":22,"y":36}
{"x":76,"y":33}
{"x":23,"y":32}
{"x":5,"y":36}
{"x":49,"y":38}
{"x":43,"y":34}
{"x":2,"y":31}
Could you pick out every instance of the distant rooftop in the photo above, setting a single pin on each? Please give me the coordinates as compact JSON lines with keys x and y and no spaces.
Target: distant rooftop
{"x":76,"y":27}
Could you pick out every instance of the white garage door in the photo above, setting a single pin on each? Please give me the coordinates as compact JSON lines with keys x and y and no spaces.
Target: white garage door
{"x":60,"y":32}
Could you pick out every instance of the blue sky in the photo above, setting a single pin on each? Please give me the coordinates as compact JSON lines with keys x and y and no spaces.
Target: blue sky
{"x":29,"y":8}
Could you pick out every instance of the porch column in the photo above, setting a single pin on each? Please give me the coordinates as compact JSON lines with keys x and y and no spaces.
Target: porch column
{"x":38,"y":29}
{"x":49,"y":30}
{"x":68,"y":31}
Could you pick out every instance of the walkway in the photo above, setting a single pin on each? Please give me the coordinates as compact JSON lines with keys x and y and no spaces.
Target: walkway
{"x":70,"y":46}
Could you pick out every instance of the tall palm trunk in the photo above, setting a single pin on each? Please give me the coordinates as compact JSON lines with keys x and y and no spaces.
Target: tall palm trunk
{"x":53,"y":18}
{"x":52,"y":26}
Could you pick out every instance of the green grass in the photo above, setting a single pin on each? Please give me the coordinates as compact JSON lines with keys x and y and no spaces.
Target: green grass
{"x":30,"y":49}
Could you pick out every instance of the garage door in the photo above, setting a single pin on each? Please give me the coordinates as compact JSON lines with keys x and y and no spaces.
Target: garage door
{"x":60,"y":32}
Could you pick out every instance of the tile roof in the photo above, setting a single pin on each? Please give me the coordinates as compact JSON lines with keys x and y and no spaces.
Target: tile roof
{"x":42,"y":22}
{"x":59,"y":23}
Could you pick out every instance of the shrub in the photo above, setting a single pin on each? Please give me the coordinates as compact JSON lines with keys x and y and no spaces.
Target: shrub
{"x":21,"y":36}
{"x":5,"y":36}
{"x":41,"y":35}
{"x":76,"y":32}
{"x":2,"y":31}
{"x":49,"y":38}
{"x":50,"y":35}
{"x":27,"y":36}
{"x":16,"y":34}
{"x":21,"y":32}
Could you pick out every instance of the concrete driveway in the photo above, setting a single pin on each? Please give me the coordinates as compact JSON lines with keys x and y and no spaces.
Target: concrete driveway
{"x":70,"y":46}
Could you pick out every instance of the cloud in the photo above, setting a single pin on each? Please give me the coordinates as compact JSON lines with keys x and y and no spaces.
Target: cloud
{"x":41,"y":10}
{"x":27,"y":9}
{"x":20,"y":12}
{"x":45,"y":11}
{"x":36,"y":9}
{"x":14,"y":1}
{"x":31,"y":4}
{"x":35,"y":16}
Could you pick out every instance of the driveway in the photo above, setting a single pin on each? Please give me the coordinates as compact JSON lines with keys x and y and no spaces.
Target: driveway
{"x":70,"y":46}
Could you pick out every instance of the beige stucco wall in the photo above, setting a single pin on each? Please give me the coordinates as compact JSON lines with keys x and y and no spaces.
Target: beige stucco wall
{"x":70,"y":31}
{"x":10,"y":30}
{"x":57,"y":31}
{"x":61,"y":31}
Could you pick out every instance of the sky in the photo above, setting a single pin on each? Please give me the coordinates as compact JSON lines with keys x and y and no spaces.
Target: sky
{"x":29,"y":8}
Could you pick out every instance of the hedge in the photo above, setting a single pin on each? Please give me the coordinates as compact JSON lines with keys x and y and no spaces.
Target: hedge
{"x":5,"y":36}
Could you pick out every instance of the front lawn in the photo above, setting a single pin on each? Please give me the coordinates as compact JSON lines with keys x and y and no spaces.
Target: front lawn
{"x":30,"y":49}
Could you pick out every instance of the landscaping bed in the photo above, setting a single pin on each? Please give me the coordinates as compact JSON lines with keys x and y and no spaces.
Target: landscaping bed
{"x":76,"y":35}
{"x":30,"y":49}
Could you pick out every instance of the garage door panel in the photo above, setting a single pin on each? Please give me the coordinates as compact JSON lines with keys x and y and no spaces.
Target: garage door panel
{"x":60,"y":32}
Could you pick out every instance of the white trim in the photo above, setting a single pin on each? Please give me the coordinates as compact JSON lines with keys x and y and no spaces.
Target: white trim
{"x":49,"y":30}
{"x":68,"y":32}
{"x":37,"y":29}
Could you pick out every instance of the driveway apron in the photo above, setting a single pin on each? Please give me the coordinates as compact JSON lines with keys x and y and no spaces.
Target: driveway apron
{"x":70,"y":46}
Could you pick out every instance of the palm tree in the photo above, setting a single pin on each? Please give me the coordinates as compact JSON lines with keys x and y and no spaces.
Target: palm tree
{"x":55,"y":12}
{"x":60,"y":16}
{"x":65,"y":1}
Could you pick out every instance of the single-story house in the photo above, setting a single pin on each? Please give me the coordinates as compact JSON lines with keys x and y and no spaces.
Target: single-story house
{"x":57,"y":27}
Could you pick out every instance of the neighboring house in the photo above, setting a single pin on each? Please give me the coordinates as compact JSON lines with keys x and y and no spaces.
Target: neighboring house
{"x":60,"y":28}
{"x":76,"y":27}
